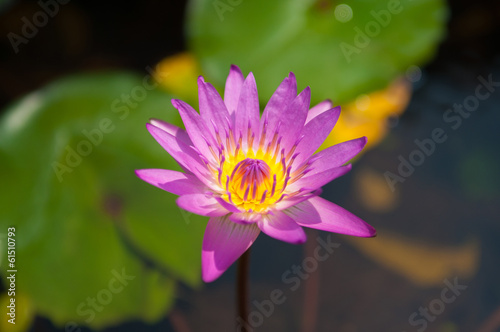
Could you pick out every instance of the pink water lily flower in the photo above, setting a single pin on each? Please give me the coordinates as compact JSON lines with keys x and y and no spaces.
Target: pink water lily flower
{"x":252,"y":173}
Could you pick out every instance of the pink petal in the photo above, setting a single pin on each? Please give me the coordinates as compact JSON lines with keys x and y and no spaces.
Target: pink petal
{"x":321,"y":214}
{"x":315,"y":180}
{"x":280,"y":226}
{"x":282,"y":97}
{"x":172,"y":130}
{"x":318,"y":109}
{"x":289,"y":202}
{"x":336,"y":155}
{"x":245,"y":217}
{"x":248,"y":115}
{"x":196,"y":129}
{"x":174,"y":182}
{"x":184,"y":155}
{"x":230,"y":207}
{"x":201,"y":204}
{"x":293,"y":119}
{"x":232,"y":91}
{"x":224,"y":242}
{"x":314,"y":134}
{"x":212,"y":109}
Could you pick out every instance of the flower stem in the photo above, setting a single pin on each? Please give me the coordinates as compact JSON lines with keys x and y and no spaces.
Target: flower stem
{"x":311,"y":291}
{"x":242,"y":289}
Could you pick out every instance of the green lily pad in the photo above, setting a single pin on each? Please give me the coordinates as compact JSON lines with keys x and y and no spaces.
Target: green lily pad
{"x":339,"y":50}
{"x":85,"y":226}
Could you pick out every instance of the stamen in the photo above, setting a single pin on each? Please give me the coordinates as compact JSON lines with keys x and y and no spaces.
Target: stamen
{"x":285,"y":184}
{"x":300,"y":170}
{"x":236,"y":168}
{"x":237,"y":149}
{"x":292,"y":150}
{"x":291,"y":162}
{"x":211,"y":150}
{"x":268,"y":148}
{"x":231,"y":139}
{"x":281,"y":198}
{"x":205,"y":160}
{"x":263,"y":197}
{"x":243,"y":181}
{"x":283,"y":164}
{"x":222,"y":148}
{"x":250,"y":143}
{"x":238,"y":146}
{"x":277,"y":146}
{"x":220,"y":175}
{"x":229,"y":197}
{"x":300,"y":176}
{"x":245,"y":197}
{"x":263,"y":134}
{"x":222,"y":160}
{"x":254,"y":193}
{"x":249,"y":131}
{"x":274,"y":185}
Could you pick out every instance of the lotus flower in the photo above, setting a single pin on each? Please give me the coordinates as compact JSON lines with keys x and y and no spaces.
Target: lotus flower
{"x":252,"y":173}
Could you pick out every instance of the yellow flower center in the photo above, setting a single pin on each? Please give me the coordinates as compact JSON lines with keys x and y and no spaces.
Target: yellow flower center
{"x":253,"y":182}
{"x":253,"y":178}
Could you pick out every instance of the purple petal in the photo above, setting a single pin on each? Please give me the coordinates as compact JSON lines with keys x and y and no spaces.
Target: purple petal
{"x":196,"y":129}
{"x":248,"y":115}
{"x":212,"y":109}
{"x":282,"y":97}
{"x":314,"y":134}
{"x":230,"y":207}
{"x":318,"y":109}
{"x":172,"y":130}
{"x":201,"y":204}
{"x":280,"y":226}
{"x":224,"y":242}
{"x":336,"y":155}
{"x":289,"y":202}
{"x":184,"y":155}
{"x":234,"y":83}
{"x":293,"y":119}
{"x":321,"y":214}
{"x":245,"y":217}
{"x":174,"y":182}
{"x":315,"y":180}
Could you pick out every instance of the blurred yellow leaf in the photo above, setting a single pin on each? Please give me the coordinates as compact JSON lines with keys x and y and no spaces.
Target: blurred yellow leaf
{"x":24,"y":312}
{"x":178,"y":75}
{"x":372,"y":191}
{"x":369,"y":114}
{"x":422,"y":263}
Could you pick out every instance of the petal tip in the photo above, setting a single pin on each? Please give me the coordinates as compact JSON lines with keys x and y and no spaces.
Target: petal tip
{"x":372,"y":232}
{"x":175,"y":102}
{"x":209,"y":276}
{"x":363,"y":141}
{"x":235,"y":68}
